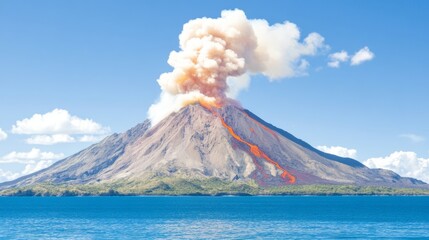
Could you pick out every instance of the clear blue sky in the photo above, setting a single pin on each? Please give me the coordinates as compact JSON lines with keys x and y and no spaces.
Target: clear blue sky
{"x":100,"y":60}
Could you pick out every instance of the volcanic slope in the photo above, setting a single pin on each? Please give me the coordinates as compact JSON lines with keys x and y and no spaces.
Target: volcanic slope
{"x":201,"y":142}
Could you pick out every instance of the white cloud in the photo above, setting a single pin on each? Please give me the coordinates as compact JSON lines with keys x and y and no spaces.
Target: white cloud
{"x":37,"y":166}
{"x":339,"y":151}
{"x":62,"y":138}
{"x":361,"y":56}
{"x":91,"y":138}
{"x":8,"y":175}
{"x":336,"y":58}
{"x":3,"y":135}
{"x":50,"y":139}
{"x":58,"y":126}
{"x":406,"y":164}
{"x":32,"y":156}
{"x":29,"y":168}
{"x":58,"y":121}
{"x":34,"y":160}
{"x":334,"y":64}
{"x":340,"y":56}
{"x":413,"y":137}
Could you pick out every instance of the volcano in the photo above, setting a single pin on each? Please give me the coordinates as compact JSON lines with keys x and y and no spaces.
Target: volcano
{"x":200,"y":142}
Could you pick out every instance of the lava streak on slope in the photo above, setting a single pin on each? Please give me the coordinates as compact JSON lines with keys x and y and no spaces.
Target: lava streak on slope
{"x":254,"y":149}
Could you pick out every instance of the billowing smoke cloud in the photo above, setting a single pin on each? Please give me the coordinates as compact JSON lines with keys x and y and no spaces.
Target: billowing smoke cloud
{"x":217,"y":57}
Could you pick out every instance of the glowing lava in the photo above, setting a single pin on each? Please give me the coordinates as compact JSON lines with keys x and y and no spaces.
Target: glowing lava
{"x":254,"y":149}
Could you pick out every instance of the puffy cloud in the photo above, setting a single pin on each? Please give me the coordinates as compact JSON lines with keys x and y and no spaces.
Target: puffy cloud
{"x":34,"y":161}
{"x":58,"y":121}
{"x":62,"y":138}
{"x":32,"y":156}
{"x":8,"y":175}
{"x":91,"y":138}
{"x":3,"y":135}
{"x":339,"y":151}
{"x":404,"y":163}
{"x":57,"y":126}
{"x":336,"y":58}
{"x":413,"y":137}
{"x":334,"y":64}
{"x":217,"y":55}
{"x":29,"y":168}
{"x":50,"y":139}
{"x":361,"y":56}
{"x":37,"y":166}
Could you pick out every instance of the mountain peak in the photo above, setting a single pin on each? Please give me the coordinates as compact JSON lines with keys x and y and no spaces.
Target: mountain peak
{"x":200,"y":142}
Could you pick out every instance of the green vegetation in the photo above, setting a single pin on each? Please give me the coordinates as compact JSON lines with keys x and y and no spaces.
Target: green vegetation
{"x":211,"y":186}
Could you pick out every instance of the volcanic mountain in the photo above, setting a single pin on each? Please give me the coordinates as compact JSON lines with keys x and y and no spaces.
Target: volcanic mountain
{"x":201,"y":142}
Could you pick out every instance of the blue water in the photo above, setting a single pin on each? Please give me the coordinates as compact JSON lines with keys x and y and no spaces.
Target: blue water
{"x":214,"y":217}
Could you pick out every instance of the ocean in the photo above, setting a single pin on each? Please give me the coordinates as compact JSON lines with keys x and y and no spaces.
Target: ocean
{"x":256,"y":217}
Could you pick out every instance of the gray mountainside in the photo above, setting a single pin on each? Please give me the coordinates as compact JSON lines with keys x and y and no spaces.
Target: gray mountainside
{"x":193,"y":144}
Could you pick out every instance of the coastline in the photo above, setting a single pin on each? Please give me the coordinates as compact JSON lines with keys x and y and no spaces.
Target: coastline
{"x":208,"y":187}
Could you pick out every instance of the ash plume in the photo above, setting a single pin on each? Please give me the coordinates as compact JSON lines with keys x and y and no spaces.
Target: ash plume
{"x":218,"y":55}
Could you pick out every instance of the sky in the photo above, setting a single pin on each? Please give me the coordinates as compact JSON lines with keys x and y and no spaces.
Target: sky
{"x":73,"y":72}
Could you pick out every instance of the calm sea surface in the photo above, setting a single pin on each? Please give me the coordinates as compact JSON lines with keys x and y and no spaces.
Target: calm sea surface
{"x":214,"y":217}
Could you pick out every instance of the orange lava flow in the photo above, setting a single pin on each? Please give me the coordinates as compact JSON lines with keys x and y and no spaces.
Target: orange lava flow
{"x":254,"y":149}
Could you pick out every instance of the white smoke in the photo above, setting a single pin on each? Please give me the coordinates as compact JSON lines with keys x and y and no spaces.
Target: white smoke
{"x":217,"y":55}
